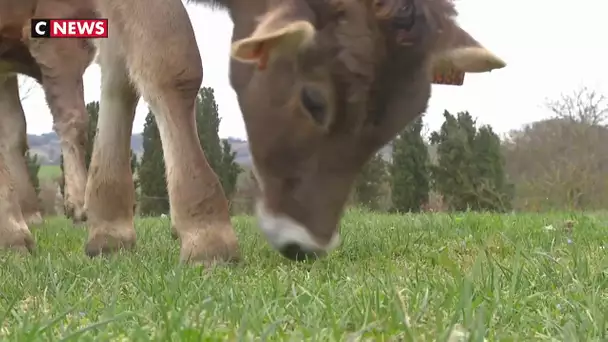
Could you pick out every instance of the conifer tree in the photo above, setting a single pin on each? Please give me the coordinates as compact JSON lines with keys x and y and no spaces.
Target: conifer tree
{"x":154,"y":199}
{"x":368,"y":185}
{"x":453,"y":174}
{"x":470,"y":172}
{"x":208,"y":126}
{"x":33,"y":168}
{"x":410,"y":173}
{"x":218,"y":152}
{"x":493,"y":191}
{"x":229,"y":169}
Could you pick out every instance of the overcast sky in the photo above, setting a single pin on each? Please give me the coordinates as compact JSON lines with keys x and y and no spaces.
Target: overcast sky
{"x":550,"y":46}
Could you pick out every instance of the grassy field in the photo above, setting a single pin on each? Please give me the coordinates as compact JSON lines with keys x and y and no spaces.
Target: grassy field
{"x":411,"y":277}
{"x":49,"y":172}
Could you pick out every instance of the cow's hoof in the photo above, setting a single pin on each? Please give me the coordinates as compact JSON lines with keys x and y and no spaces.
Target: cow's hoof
{"x":76,"y":213}
{"x":20,"y":240}
{"x":34,"y":219}
{"x":79,"y":217}
{"x":108,"y":241}
{"x":210,"y":246}
{"x":68,"y":210}
{"x":174,"y":233}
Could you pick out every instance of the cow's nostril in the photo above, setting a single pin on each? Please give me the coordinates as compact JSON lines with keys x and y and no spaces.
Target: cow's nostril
{"x":294,"y":252}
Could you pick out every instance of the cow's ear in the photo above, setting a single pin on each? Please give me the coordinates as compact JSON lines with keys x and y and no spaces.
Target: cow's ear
{"x":462,"y":52}
{"x":277,"y":34}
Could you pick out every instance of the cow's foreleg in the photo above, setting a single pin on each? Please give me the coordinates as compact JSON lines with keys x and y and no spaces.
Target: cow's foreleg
{"x":14,"y":233}
{"x":164,"y":63}
{"x":13,"y":141}
{"x":110,"y":193}
{"x":63,"y":62}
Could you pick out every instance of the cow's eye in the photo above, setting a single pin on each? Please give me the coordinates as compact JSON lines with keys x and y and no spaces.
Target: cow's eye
{"x":405,"y":17}
{"x":314,"y":102}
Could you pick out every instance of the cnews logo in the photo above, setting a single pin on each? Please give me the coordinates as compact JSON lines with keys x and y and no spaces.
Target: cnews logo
{"x":69,"y":28}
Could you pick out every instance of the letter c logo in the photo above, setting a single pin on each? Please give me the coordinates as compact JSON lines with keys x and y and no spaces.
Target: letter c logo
{"x":38,"y":27}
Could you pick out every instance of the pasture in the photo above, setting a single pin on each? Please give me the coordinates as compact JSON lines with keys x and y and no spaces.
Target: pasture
{"x":396,"y":277}
{"x":49,"y":172}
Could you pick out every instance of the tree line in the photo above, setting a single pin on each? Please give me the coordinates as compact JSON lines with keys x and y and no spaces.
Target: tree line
{"x":149,"y":178}
{"x":559,"y":163}
{"x":554,"y":164}
{"x":468,"y":173}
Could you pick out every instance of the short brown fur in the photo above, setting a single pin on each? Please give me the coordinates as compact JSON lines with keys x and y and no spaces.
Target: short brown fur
{"x":337,"y":80}
{"x":369,"y":81}
{"x":44,"y":60}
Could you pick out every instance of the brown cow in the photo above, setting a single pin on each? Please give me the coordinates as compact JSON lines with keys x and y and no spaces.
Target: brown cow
{"x":45,"y":61}
{"x":325,"y":83}
{"x":335,"y":81}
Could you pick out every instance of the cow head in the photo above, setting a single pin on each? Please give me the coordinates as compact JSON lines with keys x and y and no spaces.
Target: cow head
{"x":324,"y":84}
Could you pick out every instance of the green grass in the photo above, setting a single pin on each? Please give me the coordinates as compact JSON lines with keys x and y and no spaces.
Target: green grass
{"x":410,"y":277}
{"x":49,"y":172}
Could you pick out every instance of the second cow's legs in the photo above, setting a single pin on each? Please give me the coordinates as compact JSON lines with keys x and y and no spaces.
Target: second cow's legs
{"x":63,"y":87}
{"x":13,"y":140}
{"x":14,"y":233}
{"x":161,"y":58}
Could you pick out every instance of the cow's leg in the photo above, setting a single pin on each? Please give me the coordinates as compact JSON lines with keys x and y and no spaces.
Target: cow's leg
{"x":110,"y":194}
{"x":164,"y":63}
{"x":62,"y":83}
{"x":14,"y":233}
{"x":14,"y":143}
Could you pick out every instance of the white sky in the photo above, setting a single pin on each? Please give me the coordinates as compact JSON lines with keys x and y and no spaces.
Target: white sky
{"x":550,"y":46}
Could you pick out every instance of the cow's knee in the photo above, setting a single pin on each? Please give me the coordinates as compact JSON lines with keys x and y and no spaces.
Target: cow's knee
{"x":71,"y":126}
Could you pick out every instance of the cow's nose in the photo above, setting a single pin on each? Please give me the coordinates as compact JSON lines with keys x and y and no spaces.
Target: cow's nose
{"x":295,"y":252}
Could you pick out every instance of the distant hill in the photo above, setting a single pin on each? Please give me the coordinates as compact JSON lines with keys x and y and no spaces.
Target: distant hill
{"x":47,"y":147}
